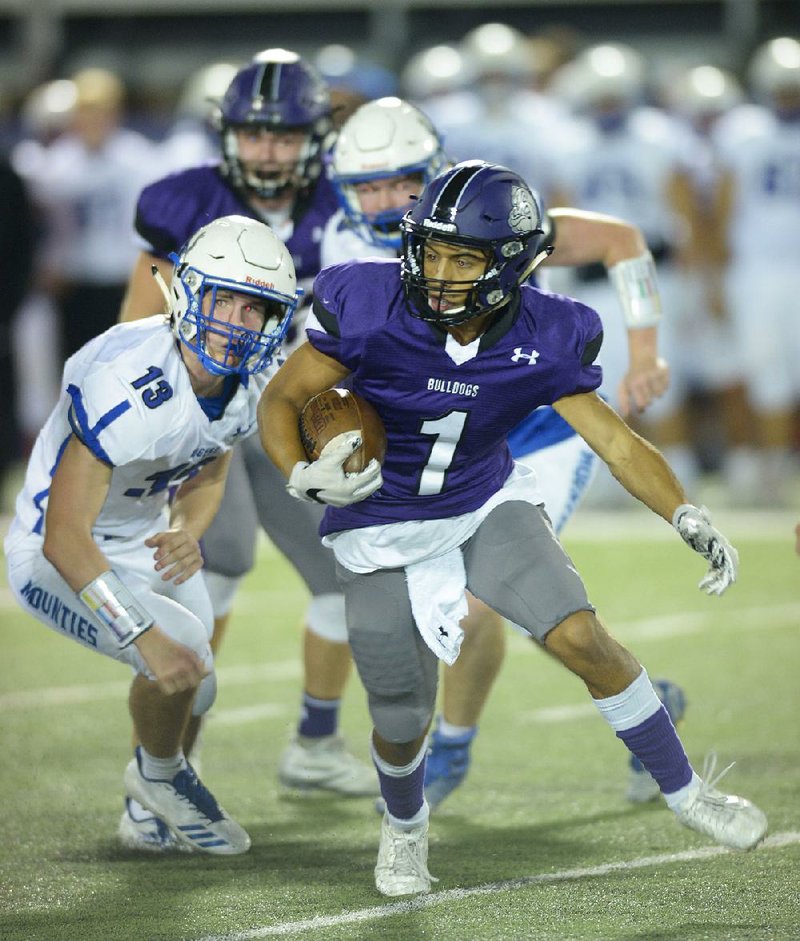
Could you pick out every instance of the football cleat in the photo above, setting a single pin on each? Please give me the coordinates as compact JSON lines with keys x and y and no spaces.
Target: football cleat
{"x":447,"y":765}
{"x":139,"y":830}
{"x":188,"y":808}
{"x":325,"y":764}
{"x":730,"y":820}
{"x":402,"y":867}
{"x":642,"y":786}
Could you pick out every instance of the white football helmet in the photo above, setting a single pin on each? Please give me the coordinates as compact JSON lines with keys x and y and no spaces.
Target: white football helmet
{"x":237,"y":254}
{"x":704,"y":92}
{"x":380,"y":140}
{"x":437,"y":70}
{"x":498,"y":51}
{"x":608,"y":77}
{"x":775,"y":68}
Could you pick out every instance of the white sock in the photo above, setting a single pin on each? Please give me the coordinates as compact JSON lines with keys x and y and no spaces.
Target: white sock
{"x":161,"y":769}
{"x":419,"y":818}
{"x":676,"y":798}
{"x":447,"y":730}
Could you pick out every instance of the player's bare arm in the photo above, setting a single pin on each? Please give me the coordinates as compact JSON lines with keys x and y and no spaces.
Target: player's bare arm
{"x":635,"y":463}
{"x":177,"y":550}
{"x":78,"y":491}
{"x":305,"y":373}
{"x":589,"y":237}
{"x":143,"y":297}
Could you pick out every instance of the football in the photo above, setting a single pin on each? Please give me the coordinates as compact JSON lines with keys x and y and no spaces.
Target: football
{"x":335,"y":411}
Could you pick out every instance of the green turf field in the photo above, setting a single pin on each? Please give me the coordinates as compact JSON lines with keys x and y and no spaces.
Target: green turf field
{"x":538,"y":844}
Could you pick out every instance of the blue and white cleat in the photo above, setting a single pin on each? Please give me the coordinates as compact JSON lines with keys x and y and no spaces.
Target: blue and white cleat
{"x":189,"y":809}
{"x":139,"y":830}
{"x":642,"y":787}
{"x":447,"y":765}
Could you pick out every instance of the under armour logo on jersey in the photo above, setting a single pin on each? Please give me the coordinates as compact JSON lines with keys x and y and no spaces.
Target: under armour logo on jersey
{"x":531,"y":357}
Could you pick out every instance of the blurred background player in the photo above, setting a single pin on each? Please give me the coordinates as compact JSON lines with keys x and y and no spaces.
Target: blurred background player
{"x":758,"y":202}
{"x":100,"y":554}
{"x":624,"y":158}
{"x":16,"y":267}
{"x":85,"y":184}
{"x":274,"y":120}
{"x":385,"y":153}
{"x":721,"y":421}
{"x":192,"y":138}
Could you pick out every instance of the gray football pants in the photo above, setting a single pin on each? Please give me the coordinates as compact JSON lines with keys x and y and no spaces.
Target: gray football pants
{"x":514,"y":563}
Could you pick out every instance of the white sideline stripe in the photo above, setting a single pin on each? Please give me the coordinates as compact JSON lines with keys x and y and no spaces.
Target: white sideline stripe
{"x":776,"y":841}
{"x":665,"y":626}
{"x":69,"y":695}
{"x":266,"y":710}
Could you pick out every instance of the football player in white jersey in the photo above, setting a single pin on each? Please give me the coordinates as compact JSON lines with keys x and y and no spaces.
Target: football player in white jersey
{"x":623,"y":157}
{"x":385,"y":152}
{"x":759,"y":209}
{"x":99,"y":552}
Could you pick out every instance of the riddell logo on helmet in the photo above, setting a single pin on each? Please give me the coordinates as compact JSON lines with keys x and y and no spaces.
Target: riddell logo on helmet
{"x":258,"y":282}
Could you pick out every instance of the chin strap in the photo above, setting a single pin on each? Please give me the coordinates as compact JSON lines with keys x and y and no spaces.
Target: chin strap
{"x":162,"y":284}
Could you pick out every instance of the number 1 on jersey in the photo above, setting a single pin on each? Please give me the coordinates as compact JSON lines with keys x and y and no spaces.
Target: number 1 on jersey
{"x":448,"y":431}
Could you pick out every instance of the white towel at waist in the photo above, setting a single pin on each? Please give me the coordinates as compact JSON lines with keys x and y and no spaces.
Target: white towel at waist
{"x":437,"y":589}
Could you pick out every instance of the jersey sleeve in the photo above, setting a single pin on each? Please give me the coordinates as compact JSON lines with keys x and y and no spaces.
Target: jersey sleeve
{"x":104,"y":416}
{"x":589,"y":340}
{"x":166,"y":214}
{"x":340,"y":315}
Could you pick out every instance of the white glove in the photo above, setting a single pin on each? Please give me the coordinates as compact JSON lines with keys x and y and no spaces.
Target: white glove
{"x":694,"y":525}
{"x":324,"y":480}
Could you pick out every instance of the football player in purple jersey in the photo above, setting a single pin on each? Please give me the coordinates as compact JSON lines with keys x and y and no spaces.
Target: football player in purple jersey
{"x":453,"y":349}
{"x":273,"y":121}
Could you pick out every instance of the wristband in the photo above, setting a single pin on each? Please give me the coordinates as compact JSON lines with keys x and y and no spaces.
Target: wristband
{"x":114,"y":605}
{"x":634,"y":280}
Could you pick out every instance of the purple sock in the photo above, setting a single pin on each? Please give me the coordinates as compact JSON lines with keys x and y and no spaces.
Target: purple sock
{"x":656,"y":744}
{"x":403,"y":796}
{"x":319,"y":717}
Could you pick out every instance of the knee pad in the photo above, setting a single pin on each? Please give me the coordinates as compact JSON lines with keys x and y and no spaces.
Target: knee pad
{"x":326,"y":618}
{"x":222,"y":590}
{"x":398,"y":722}
{"x":206,"y":694}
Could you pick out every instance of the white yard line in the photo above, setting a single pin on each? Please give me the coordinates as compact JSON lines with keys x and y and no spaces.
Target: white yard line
{"x":447,"y":896}
{"x":670,"y":625}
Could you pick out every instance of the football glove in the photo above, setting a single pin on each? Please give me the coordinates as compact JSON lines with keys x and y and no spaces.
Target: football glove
{"x":694,"y":525}
{"x":325,"y":481}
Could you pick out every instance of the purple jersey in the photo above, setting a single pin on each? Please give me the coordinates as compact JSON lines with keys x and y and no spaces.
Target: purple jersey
{"x":172,"y":209}
{"x":447,"y":409}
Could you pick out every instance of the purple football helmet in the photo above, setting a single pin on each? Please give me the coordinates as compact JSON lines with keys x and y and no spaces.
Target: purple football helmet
{"x":480,"y":205}
{"x":278,"y":91}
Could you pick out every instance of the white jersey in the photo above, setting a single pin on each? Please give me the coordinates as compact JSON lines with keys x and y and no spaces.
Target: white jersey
{"x":88,"y":198}
{"x":625,"y":173}
{"x":762,"y":154}
{"x":340,"y":243}
{"x":128,"y":397}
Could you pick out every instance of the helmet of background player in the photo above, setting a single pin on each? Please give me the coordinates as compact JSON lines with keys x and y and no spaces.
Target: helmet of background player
{"x":774,"y":75}
{"x":502,"y":60}
{"x":604,"y":82}
{"x":477,"y":205}
{"x":382,"y":140}
{"x":276,"y":91}
{"x":702,"y":94}
{"x":232,"y":253}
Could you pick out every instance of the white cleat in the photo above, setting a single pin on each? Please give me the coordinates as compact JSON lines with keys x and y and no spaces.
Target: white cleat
{"x":189,"y":809}
{"x":402,"y":867}
{"x":139,"y":830}
{"x":325,"y":764}
{"x":730,"y":820}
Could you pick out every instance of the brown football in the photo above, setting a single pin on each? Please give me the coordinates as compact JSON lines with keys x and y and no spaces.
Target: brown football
{"x":335,"y":411}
